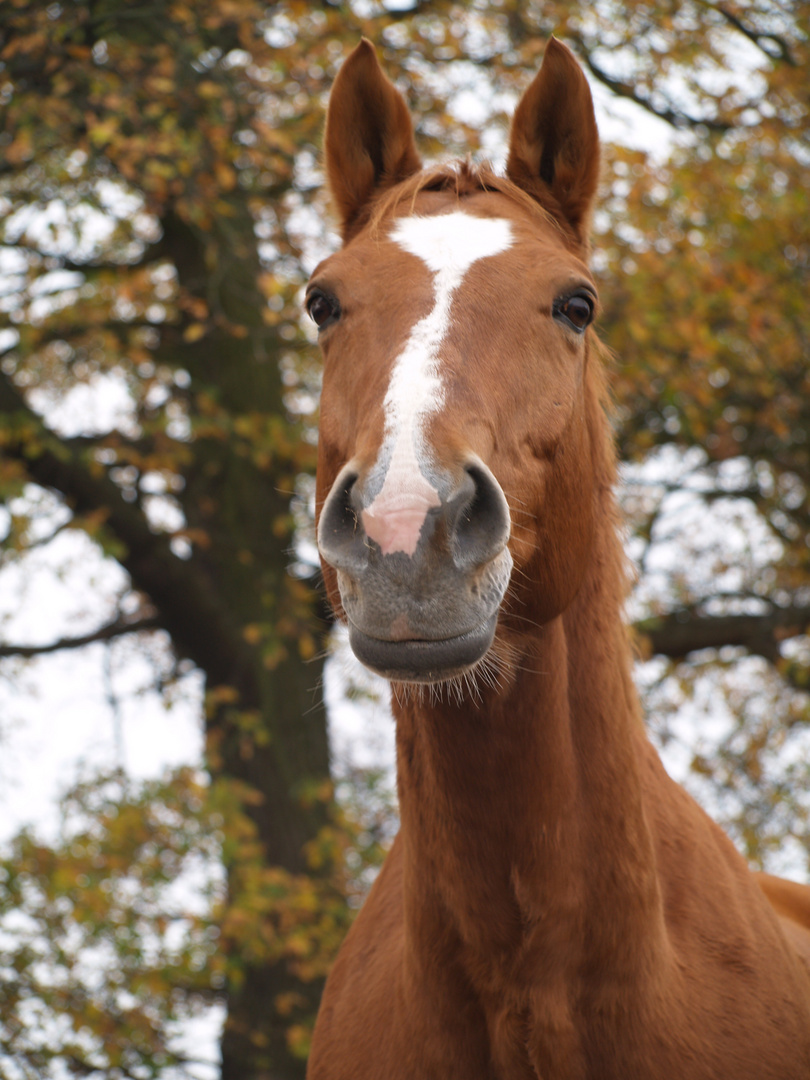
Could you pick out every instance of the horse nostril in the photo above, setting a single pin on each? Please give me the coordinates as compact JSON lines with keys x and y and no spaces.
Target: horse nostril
{"x":480,"y":526}
{"x":341,"y":538}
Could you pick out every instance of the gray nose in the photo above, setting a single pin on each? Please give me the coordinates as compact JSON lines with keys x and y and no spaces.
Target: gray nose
{"x":470,"y":526}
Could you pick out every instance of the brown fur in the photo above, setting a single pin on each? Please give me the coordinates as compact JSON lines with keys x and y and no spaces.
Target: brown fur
{"x":554,"y":906}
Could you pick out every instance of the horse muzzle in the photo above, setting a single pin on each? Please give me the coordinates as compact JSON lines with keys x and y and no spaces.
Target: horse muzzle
{"x":421,"y":577}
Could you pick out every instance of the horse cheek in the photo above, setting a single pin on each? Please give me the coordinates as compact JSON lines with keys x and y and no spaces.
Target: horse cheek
{"x":565,"y":531}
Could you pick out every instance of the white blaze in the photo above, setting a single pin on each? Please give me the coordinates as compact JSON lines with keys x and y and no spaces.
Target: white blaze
{"x":448,"y":244}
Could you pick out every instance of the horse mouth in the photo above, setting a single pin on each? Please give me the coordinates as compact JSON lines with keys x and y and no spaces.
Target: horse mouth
{"x":423,"y":660}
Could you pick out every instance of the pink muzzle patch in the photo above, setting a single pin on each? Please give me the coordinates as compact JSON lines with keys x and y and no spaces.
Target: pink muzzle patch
{"x":395,"y":522}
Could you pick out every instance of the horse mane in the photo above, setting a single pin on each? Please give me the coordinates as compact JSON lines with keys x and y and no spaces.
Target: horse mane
{"x":613,"y":568}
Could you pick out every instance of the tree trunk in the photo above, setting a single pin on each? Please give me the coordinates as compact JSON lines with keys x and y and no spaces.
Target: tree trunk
{"x":269,"y":732}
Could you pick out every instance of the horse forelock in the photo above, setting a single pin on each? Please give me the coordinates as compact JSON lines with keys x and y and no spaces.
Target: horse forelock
{"x":461,"y":178}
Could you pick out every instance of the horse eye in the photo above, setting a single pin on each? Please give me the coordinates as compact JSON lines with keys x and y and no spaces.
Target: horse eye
{"x":576,"y":310}
{"x":322,"y":309}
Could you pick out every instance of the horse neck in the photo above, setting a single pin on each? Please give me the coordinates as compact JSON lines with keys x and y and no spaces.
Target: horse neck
{"x":523,"y":809}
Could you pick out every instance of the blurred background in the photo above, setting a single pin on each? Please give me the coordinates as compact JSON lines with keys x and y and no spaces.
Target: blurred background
{"x":186,"y":830}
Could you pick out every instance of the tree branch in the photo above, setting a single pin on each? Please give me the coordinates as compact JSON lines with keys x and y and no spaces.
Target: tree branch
{"x":6,"y":554}
{"x":151,"y":253}
{"x":683,"y":632}
{"x":757,"y":39}
{"x":54,"y":331}
{"x":675,"y":119}
{"x":105,"y":633}
{"x":187,"y":606}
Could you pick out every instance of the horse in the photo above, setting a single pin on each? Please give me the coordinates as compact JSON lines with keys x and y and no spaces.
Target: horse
{"x":554,"y":906}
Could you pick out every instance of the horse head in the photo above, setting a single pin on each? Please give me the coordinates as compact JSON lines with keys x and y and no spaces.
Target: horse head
{"x":461,"y":432}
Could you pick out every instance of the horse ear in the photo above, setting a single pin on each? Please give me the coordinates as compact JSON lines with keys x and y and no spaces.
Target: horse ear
{"x":554,"y":144}
{"x":369,"y":135}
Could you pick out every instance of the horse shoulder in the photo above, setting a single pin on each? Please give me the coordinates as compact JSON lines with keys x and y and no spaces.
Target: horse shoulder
{"x":791,"y":902}
{"x":714,"y":905}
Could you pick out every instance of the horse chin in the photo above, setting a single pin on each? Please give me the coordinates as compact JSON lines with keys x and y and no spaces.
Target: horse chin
{"x":423,"y":660}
